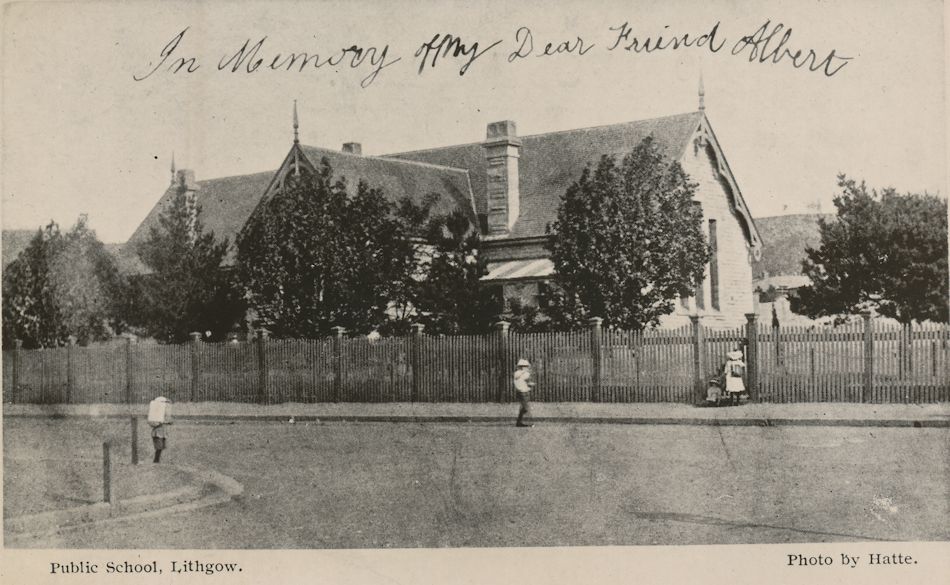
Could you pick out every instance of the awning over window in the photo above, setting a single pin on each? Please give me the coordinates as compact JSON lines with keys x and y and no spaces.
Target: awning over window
{"x":519,"y":269}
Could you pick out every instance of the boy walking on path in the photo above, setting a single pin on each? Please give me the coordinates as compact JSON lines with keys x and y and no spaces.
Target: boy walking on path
{"x":158,"y":418}
{"x":523,"y":385}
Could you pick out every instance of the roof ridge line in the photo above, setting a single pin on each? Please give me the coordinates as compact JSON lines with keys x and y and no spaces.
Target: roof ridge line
{"x":697,"y":112}
{"x":388,"y":159}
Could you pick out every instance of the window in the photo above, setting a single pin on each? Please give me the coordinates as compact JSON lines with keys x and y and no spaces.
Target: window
{"x":713,"y":266}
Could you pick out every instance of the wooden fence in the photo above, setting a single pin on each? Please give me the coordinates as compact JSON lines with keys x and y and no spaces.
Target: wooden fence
{"x":862,"y":362}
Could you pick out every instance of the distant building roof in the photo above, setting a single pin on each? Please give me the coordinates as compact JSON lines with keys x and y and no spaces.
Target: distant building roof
{"x":550,"y":162}
{"x":784,"y":239}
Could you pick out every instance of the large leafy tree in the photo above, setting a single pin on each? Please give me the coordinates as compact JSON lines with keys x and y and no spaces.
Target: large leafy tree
{"x":450,"y":297}
{"x":314,"y":257}
{"x":61,"y":285}
{"x":187,"y":287}
{"x":628,"y":241}
{"x":884,"y":251}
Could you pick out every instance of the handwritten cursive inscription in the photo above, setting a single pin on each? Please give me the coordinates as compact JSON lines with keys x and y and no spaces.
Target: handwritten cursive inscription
{"x":446,"y":45}
{"x":525,"y":41}
{"x":649,"y":44}
{"x":246,"y":60}
{"x":190,"y":64}
{"x":758,"y":48}
{"x":769,"y":44}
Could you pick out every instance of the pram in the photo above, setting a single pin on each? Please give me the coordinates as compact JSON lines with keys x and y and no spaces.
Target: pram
{"x":715,"y":391}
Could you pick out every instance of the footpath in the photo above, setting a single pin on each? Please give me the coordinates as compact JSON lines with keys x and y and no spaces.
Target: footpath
{"x":750,"y":414}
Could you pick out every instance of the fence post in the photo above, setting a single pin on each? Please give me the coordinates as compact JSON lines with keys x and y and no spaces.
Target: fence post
{"x":502,"y":359}
{"x":195,"y":340}
{"x":69,"y":368}
{"x":135,"y":439}
{"x":262,"y":366}
{"x":108,"y":495}
{"x":338,"y":363}
{"x":595,"y":324}
{"x":416,"y":361}
{"x":752,"y":354}
{"x":17,"y":346}
{"x":697,"y":357}
{"x":776,"y":336}
{"x":868,"y":385}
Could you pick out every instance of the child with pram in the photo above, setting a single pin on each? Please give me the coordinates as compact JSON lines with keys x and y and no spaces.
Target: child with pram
{"x":728,"y":385}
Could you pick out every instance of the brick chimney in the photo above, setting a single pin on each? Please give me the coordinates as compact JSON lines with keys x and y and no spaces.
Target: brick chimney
{"x":189,"y":186}
{"x":353,"y":148}
{"x":502,"y":149}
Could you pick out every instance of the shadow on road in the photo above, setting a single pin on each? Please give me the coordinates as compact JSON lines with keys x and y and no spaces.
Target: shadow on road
{"x":714,"y":521}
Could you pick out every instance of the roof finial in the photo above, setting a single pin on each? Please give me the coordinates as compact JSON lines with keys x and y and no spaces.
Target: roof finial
{"x":702,"y":93}
{"x":173,"y":167}
{"x":296,"y":124}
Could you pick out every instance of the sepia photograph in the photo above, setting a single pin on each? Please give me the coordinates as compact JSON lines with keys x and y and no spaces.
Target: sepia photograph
{"x":487,"y":278}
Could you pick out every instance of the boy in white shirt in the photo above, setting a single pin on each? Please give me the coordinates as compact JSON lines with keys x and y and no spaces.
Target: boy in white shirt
{"x":523,"y":386}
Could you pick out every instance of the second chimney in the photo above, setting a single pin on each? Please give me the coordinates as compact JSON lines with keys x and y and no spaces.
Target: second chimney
{"x":502,"y":149}
{"x":353,"y":148}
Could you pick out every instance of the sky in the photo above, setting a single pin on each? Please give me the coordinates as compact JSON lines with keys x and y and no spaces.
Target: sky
{"x":86,"y":129}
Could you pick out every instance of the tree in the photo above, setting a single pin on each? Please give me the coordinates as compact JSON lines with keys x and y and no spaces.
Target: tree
{"x":314,"y":257}
{"x":60,"y":285}
{"x":450,"y":298}
{"x":628,"y":241}
{"x":187,"y":288}
{"x":884,"y":252}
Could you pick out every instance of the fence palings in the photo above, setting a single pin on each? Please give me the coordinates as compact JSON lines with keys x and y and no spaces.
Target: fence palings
{"x":856,"y":362}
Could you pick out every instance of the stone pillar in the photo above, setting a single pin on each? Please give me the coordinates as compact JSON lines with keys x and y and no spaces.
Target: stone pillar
{"x":502,"y":359}
{"x":262,"y":335}
{"x":868,"y":385}
{"x":338,"y":363}
{"x":699,"y":385}
{"x":195,"y":365}
{"x":416,"y":361}
{"x":596,"y":333}
{"x":752,"y":355}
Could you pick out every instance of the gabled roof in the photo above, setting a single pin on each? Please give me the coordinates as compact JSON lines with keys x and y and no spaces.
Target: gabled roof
{"x":399,"y":178}
{"x":550,"y":162}
{"x":226,"y":203}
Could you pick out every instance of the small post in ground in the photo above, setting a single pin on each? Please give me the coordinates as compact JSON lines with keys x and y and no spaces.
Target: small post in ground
{"x":135,"y":439}
{"x":108,"y":494}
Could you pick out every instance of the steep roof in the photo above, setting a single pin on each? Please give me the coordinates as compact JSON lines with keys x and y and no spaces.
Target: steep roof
{"x":550,"y":162}
{"x":398,"y":178}
{"x":225,"y":203}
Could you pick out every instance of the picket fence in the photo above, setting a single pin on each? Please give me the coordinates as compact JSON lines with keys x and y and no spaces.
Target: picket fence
{"x":862,"y":362}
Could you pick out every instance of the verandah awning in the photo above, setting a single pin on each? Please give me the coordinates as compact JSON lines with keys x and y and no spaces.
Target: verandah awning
{"x":519,"y":269}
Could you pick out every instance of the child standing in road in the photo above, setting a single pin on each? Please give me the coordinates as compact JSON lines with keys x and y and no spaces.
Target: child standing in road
{"x":734,"y":370}
{"x":158,"y":418}
{"x":523,"y":386}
